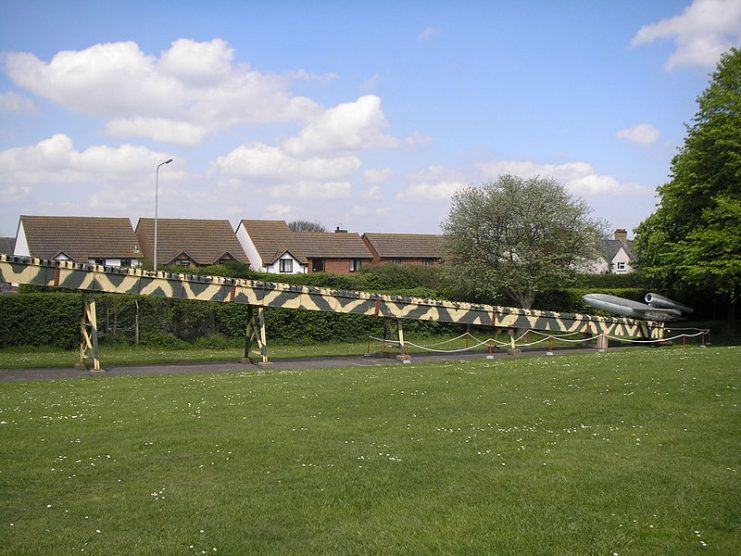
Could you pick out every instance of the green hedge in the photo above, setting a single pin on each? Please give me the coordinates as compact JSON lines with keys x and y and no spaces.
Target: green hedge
{"x":41,"y":319}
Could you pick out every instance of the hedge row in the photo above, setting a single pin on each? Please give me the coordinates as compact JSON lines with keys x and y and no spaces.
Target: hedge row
{"x":41,"y":319}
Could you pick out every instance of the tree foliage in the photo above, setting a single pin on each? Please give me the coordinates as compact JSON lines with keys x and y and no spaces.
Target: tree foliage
{"x":518,"y":237}
{"x":693,"y":240}
{"x":305,"y":226}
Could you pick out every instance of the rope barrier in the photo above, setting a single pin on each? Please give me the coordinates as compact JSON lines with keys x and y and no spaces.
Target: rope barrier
{"x":545,"y":337}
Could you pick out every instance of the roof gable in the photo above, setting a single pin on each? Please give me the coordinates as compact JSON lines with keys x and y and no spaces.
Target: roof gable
{"x":203,"y":241}
{"x":272,"y":239}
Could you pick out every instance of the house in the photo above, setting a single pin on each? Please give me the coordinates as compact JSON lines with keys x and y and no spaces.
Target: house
{"x":404,"y":249}
{"x":80,"y":239}
{"x":7,"y":245}
{"x":189,"y":243}
{"x":617,"y":256}
{"x":272,"y":247}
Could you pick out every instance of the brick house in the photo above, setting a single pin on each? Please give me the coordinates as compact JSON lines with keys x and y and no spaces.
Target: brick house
{"x":80,"y":239}
{"x":404,"y":249}
{"x":273,"y":248}
{"x":189,"y":243}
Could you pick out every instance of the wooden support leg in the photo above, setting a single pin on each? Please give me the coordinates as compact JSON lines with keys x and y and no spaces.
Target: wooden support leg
{"x":602,"y":342}
{"x":403,"y":356}
{"x":248,"y":335}
{"x":256,"y":333}
{"x":89,"y":358}
{"x":513,"y":349}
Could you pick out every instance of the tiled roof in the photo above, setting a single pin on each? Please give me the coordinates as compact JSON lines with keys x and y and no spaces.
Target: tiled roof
{"x":80,"y":238}
{"x":272,"y":238}
{"x":330,"y":245}
{"x":7,"y":245}
{"x":203,"y":241}
{"x":611,"y":247}
{"x":405,"y":246}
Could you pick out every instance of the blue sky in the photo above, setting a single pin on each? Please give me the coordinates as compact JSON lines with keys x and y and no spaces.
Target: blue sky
{"x":365,"y":115}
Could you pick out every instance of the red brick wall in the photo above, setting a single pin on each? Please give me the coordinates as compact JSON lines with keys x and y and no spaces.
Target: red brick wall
{"x":339,"y":266}
{"x":410,"y":262}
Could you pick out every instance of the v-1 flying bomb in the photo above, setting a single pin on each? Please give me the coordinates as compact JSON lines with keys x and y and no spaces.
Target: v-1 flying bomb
{"x":657,"y":307}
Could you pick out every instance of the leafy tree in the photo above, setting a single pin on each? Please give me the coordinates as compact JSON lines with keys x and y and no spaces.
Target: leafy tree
{"x":518,"y":237}
{"x":692,"y":242}
{"x":305,"y":226}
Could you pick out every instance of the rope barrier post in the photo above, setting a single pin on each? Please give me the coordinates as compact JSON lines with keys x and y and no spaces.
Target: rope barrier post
{"x":367,"y":351}
{"x":490,"y":351}
{"x":702,"y":339}
{"x":550,"y":346}
{"x":249,"y":336}
{"x":684,"y":342}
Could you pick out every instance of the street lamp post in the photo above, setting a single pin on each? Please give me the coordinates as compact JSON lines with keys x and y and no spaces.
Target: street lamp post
{"x":156,"y":205}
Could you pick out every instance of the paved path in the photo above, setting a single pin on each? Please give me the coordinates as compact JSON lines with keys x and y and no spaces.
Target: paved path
{"x":23,"y":375}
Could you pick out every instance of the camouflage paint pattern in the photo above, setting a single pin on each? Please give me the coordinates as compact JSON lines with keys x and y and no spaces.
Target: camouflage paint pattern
{"x":95,"y":278}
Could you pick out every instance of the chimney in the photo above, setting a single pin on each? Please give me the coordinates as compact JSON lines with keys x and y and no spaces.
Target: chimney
{"x":338,"y":230}
{"x":622,"y":236}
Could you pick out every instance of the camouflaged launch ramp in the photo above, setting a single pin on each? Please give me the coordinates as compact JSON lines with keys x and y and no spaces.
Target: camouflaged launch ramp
{"x":94,"y":278}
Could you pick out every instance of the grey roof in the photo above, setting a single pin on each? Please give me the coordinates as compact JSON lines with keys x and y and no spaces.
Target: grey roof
{"x":611,"y":247}
{"x":80,"y":238}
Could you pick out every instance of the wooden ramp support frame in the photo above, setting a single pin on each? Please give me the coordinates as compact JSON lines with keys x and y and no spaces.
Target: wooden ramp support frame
{"x":89,"y":356}
{"x":255,"y":332}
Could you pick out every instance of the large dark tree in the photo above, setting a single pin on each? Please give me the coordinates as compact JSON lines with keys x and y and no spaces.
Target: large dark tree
{"x":518,"y":237}
{"x":692,"y":243}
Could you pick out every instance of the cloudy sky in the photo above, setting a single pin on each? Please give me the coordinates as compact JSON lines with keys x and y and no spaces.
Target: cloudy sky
{"x":366,"y":115}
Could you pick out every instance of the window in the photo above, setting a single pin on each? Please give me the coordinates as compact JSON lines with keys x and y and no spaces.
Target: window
{"x":428,"y":262}
{"x":185,"y":263}
{"x":97,"y":260}
{"x":621,"y":266}
{"x":286,"y":265}
{"x":125,"y":263}
{"x":317,"y":265}
{"x":394,"y":261}
{"x":355,"y":264}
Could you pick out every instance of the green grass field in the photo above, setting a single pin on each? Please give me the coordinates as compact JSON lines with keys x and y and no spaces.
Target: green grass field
{"x":633,"y":452}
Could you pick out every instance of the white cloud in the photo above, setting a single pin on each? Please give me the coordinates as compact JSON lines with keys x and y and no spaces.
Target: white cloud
{"x":703,"y":31}
{"x":158,"y":129}
{"x":374,"y":193}
{"x":14,"y":193}
{"x":437,"y":191}
{"x":13,"y":102}
{"x":645,"y":134}
{"x":427,"y":34}
{"x":260,"y":161}
{"x":378,"y":176}
{"x":193,"y":87}
{"x":351,"y":126}
{"x":579,"y":178}
{"x":313,"y":190}
{"x":417,"y":139}
{"x":54,"y":161}
{"x":278,"y":211}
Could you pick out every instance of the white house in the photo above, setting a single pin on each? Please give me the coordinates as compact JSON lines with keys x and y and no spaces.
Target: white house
{"x":80,"y":239}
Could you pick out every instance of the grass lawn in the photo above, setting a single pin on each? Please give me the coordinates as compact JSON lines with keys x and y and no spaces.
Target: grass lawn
{"x":632,"y":452}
